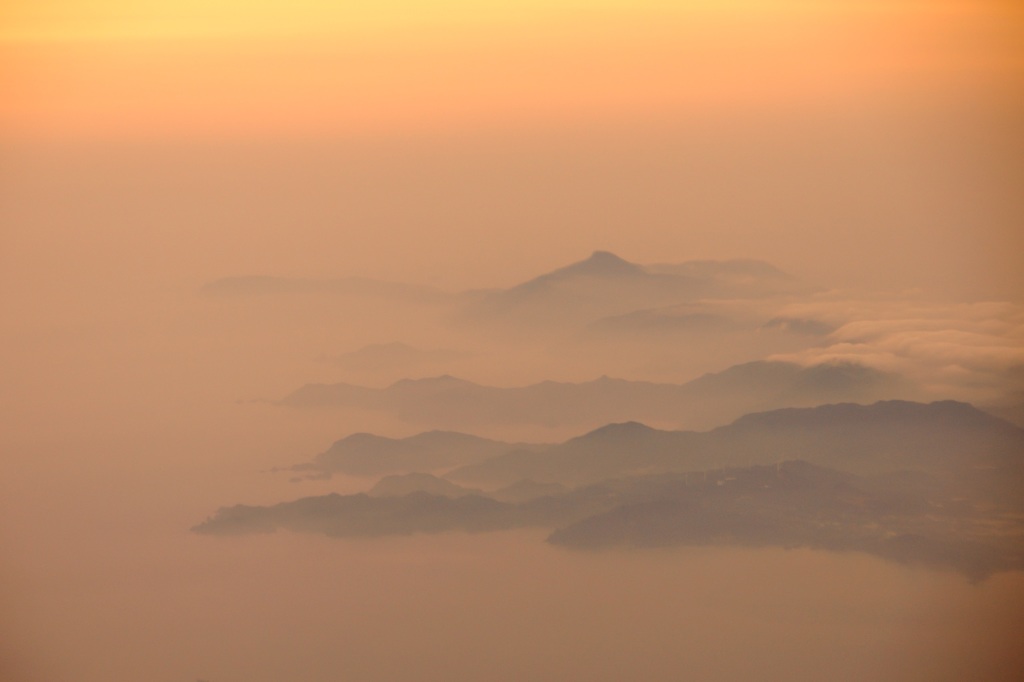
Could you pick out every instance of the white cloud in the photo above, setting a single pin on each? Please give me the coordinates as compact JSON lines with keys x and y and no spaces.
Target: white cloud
{"x":963,"y":350}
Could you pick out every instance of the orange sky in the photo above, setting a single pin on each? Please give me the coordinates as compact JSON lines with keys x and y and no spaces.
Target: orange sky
{"x":113,"y":67}
{"x":896,"y":116}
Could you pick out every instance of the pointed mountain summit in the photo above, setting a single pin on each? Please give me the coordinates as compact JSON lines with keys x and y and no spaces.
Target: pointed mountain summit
{"x":606,"y":284}
{"x":600,"y":264}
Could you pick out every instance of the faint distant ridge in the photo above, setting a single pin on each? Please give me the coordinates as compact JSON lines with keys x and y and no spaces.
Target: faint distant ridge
{"x":606,"y":285}
{"x":803,"y":385}
{"x":366,"y":454}
{"x":267,"y":285}
{"x":448,"y":402}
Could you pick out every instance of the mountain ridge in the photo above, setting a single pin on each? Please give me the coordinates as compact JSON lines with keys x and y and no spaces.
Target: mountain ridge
{"x":865,"y":439}
{"x":449,"y":402}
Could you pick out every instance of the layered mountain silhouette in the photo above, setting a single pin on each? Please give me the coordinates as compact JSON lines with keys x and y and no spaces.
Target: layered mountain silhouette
{"x":944,"y":436}
{"x":764,"y":453}
{"x":600,"y":286}
{"x":449,"y":402}
{"x":864,"y":439}
{"x":936,"y":484}
{"x":911,"y":519}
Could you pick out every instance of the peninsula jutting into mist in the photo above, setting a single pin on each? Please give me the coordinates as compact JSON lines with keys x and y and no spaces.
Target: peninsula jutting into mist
{"x":491,"y":341}
{"x":936,"y":484}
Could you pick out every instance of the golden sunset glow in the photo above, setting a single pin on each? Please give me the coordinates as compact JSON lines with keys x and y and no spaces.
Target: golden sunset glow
{"x":101,"y":68}
{"x":130,"y":19}
{"x":511,"y":340}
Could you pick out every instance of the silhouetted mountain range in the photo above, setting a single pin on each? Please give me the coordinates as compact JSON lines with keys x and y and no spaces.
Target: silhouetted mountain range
{"x":449,"y":402}
{"x":915,"y":520}
{"x":946,"y":435}
{"x":910,"y":518}
{"x":935,"y":485}
{"x":600,"y":286}
{"x":943,"y":436}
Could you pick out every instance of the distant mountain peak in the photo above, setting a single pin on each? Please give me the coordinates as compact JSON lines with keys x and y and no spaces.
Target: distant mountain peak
{"x":617,"y":430}
{"x":604,"y":263}
{"x":600,"y":256}
{"x":361,"y":437}
{"x":599,"y":264}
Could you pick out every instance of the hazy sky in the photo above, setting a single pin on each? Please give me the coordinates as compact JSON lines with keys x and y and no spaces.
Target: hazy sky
{"x":147,"y":148}
{"x":473,"y":144}
{"x":243,"y":68}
